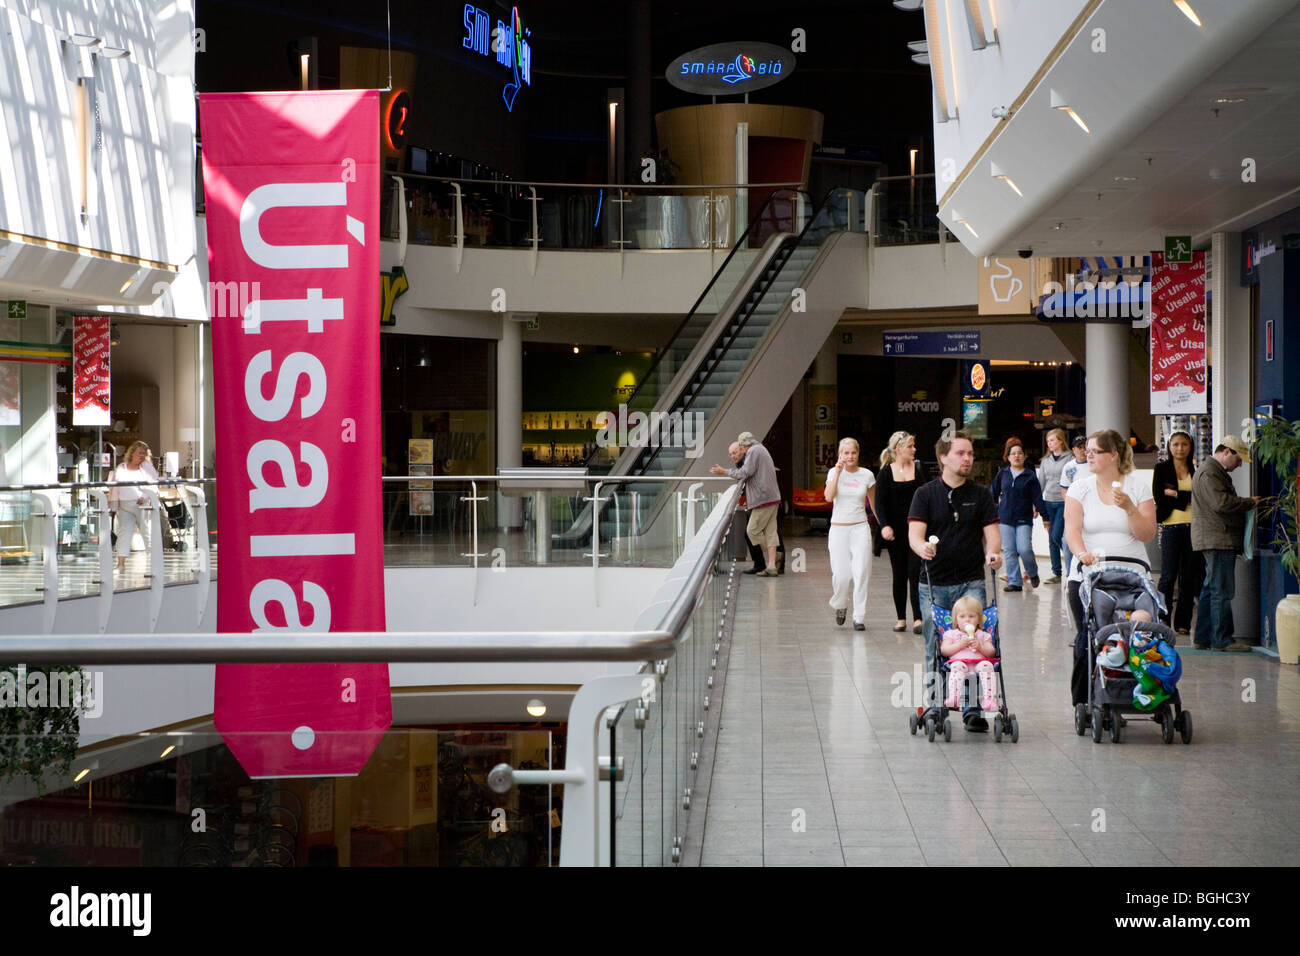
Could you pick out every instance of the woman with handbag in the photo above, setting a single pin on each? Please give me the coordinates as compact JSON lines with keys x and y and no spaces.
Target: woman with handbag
{"x":895,"y":486}
{"x":1171,"y":484}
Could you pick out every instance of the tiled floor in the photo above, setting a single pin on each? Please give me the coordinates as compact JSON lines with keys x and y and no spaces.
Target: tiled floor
{"x":815,"y":764}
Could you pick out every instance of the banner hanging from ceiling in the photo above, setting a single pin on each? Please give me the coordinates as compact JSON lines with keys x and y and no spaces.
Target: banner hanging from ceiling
{"x":1178,"y":336}
{"x":292,"y":186}
{"x":91,"y":345}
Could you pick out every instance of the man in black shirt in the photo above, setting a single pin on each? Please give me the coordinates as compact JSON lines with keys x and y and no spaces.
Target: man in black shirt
{"x":962,"y":515}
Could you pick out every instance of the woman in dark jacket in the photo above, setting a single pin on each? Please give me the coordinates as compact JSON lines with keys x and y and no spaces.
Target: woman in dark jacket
{"x":896,"y":483}
{"x":1018,"y":494}
{"x":1171,"y":484}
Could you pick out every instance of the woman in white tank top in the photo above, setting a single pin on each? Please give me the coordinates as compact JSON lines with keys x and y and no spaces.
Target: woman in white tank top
{"x":850,"y":487}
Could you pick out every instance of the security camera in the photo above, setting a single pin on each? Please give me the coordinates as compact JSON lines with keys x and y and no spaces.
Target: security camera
{"x":1001,"y":112}
{"x":1025,"y":253}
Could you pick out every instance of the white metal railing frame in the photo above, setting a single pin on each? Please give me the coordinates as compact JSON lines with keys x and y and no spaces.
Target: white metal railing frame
{"x":48,"y":501}
{"x":679,"y":596}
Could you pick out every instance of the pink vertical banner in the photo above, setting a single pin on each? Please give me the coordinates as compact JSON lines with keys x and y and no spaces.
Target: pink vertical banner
{"x":1178,"y":336}
{"x":292,"y":183}
{"x":90,"y":370}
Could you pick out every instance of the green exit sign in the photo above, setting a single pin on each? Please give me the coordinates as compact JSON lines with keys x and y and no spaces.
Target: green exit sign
{"x":1178,"y":249}
{"x":17,"y":309}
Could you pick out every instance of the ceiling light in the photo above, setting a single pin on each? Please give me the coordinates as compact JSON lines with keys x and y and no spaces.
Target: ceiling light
{"x":923,"y":59}
{"x":1230,"y":99}
{"x":114,"y":52}
{"x":918,"y":46}
{"x":125,"y":285}
{"x":908,"y":6}
{"x":84,"y":39}
{"x":535,"y":708}
{"x":79,"y":777}
{"x":1188,"y":12}
{"x":575,"y":350}
{"x":1125,"y":179}
{"x":1058,"y":103}
{"x":996,"y":172}
{"x":163,"y":755}
{"x":957,"y":217}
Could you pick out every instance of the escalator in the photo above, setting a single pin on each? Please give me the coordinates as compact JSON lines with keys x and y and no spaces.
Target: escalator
{"x":742,"y":349}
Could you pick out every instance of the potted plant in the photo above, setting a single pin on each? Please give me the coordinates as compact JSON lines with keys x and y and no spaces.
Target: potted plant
{"x":1277,"y":445}
{"x":38,"y":733}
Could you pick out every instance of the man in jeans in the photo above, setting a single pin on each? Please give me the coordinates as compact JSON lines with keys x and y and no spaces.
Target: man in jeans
{"x":961,"y":514}
{"x":1218,"y":530}
{"x":762,"y":497}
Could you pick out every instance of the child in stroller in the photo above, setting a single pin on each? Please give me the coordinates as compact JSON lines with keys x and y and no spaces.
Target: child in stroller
{"x":1132,"y":665}
{"x":969,"y":642}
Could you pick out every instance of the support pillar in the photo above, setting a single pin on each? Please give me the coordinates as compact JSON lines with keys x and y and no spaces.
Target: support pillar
{"x":1107,"y":366}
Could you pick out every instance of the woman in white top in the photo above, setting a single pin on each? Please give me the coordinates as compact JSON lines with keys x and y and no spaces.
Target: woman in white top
{"x":127,"y":503}
{"x":1101,"y":519}
{"x":850,"y":488}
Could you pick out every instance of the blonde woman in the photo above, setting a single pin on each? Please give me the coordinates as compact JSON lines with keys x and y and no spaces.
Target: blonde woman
{"x":851,"y":489}
{"x":895,"y":486}
{"x":128,"y":503}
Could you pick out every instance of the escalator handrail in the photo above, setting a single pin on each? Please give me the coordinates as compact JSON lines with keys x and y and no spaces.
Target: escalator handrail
{"x":740,"y":244}
{"x":747,"y":312}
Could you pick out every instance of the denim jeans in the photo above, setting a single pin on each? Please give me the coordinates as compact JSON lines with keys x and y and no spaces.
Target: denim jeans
{"x":1056,"y":535}
{"x":944,"y":595}
{"x":1214,"y":625}
{"x":1018,"y":546}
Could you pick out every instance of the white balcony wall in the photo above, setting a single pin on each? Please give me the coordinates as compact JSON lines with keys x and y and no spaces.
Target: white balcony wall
{"x":923,"y":277}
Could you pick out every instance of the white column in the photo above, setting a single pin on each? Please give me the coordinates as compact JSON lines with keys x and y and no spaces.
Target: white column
{"x":1106,"y":349}
{"x":1231,"y":374}
{"x":510,"y":410}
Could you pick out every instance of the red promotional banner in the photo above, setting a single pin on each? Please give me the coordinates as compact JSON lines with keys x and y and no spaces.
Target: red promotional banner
{"x":1178,"y":336}
{"x":90,"y":370}
{"x":292,"y":183}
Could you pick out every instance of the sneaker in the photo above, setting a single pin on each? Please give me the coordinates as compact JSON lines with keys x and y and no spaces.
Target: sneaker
{"x":989,"y":704}
{"x":1035,"y":582}
{"x":840,"y":615}
{"x":1054,"y":579}
{"x":1013,"y":587}
{"x":859,"y":626}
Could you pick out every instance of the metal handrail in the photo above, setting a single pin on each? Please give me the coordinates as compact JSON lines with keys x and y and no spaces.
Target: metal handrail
{"x":649,"y":186}
{"x":75,"y":485}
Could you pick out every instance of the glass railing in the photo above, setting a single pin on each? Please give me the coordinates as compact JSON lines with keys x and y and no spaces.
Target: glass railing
{"x":904,"y":211}
{"x":181,"y":799}
{"x":576,"y":785}
{"x":572,"y":216}
{"x":60,"y":539}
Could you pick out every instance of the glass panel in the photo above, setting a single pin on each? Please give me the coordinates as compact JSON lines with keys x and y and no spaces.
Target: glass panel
{"x":181,"y":799}
{"x":905,"y":211}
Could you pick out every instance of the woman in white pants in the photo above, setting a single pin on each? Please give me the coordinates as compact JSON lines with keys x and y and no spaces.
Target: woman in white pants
{"x":849,"y":540}
{"x":128,"y":503}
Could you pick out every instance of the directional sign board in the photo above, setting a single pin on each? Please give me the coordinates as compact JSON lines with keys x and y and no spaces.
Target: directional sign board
{"x":964,"y":342}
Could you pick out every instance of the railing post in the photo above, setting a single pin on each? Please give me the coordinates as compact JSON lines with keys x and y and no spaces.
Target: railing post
{"x":106,"y":560}
{"x":202,"y":554}
{"x":49,"y":559}
{"x":690,"y":510}
{"x":157,"y":571}
{"x":536,"y":236}
{"x":460,"y":227}
{"x":595,"y":554}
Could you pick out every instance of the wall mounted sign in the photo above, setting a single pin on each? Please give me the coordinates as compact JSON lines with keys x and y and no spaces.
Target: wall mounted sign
{"x":964,"y":342}
{"x":296,"y":399}
{"x":506,"y":43}
{"x":1006,"y":286}
{"x":729,"y":69}
{"x":396,"y":114}
{"x":975,"y":380}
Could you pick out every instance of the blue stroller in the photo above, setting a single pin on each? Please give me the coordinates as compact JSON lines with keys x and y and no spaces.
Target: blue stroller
{"x":1110,"y":595}
{"x":934,"y":718}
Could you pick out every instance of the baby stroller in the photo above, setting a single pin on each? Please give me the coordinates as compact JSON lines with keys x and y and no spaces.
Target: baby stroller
{"x":174,"y":528}
{"x":934,"y":718}
{"x":1132,"y":667}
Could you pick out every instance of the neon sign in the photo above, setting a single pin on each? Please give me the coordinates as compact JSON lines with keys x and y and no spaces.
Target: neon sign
{"x":728,"y":68}
{"x":507,"y":44}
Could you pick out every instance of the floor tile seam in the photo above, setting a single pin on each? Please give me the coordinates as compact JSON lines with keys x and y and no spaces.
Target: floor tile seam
{"x":822,"y":752}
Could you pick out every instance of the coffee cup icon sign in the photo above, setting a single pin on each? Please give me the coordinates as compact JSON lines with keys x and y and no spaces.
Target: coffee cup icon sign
{"x":997,"y":279}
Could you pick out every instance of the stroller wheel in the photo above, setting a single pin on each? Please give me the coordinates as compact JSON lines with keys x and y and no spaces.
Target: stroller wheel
{"x":997,"y":729}
{"x":1167,"y":727}
{"x":1080,"y":719}
{"x":1116,"y":729}
{"x":912,"y":723}
{"x":1015,"y":730}
{"x":1186,"y":729}
{"x":947,"y":730}
{"x":929,"y":729}
{"x":1096,"y":725}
